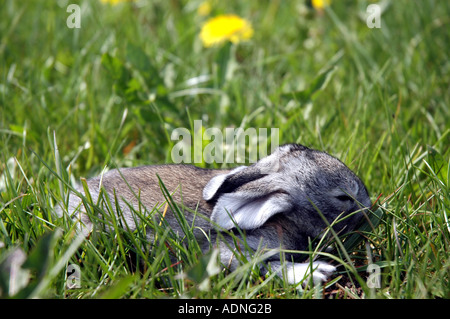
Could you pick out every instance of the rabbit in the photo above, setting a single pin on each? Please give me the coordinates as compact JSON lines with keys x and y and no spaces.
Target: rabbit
{"x":275,"y":202}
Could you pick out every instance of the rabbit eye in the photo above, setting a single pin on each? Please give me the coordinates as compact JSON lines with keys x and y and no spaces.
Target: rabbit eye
{"x":344,"y":198}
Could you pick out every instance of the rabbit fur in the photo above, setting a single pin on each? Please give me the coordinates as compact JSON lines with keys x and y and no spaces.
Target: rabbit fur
{"x":275,"y":202}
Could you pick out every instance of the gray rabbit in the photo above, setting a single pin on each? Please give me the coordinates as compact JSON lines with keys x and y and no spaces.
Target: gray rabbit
{"x":275,"y":202}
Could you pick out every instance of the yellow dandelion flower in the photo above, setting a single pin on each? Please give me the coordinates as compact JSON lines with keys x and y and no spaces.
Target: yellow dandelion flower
{"x":225,"y":28}
{"x":114,"y":2}
{"x":320,"y":4}
{"x":204,"y":9}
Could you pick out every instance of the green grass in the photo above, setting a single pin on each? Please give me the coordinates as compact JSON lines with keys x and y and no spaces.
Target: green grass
{"x":73,"y":101}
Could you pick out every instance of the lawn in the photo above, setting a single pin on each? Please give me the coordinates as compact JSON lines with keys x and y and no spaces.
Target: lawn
{"x":110,"y":91}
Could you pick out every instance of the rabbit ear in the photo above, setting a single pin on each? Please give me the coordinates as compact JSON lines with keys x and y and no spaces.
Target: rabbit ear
{"x":248,"y":210}
{"x":243,"y":203}
{"x":226,"y":183}
{"x":216,"y":182}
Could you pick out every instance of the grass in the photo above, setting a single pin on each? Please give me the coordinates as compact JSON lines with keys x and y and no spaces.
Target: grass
{"x":110,"y":93}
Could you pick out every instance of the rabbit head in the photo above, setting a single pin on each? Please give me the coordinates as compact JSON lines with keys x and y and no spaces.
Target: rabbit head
{"x":293,"y":184}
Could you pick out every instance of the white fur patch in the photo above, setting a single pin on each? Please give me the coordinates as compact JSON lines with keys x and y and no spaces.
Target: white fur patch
{"x":300,"y":272}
